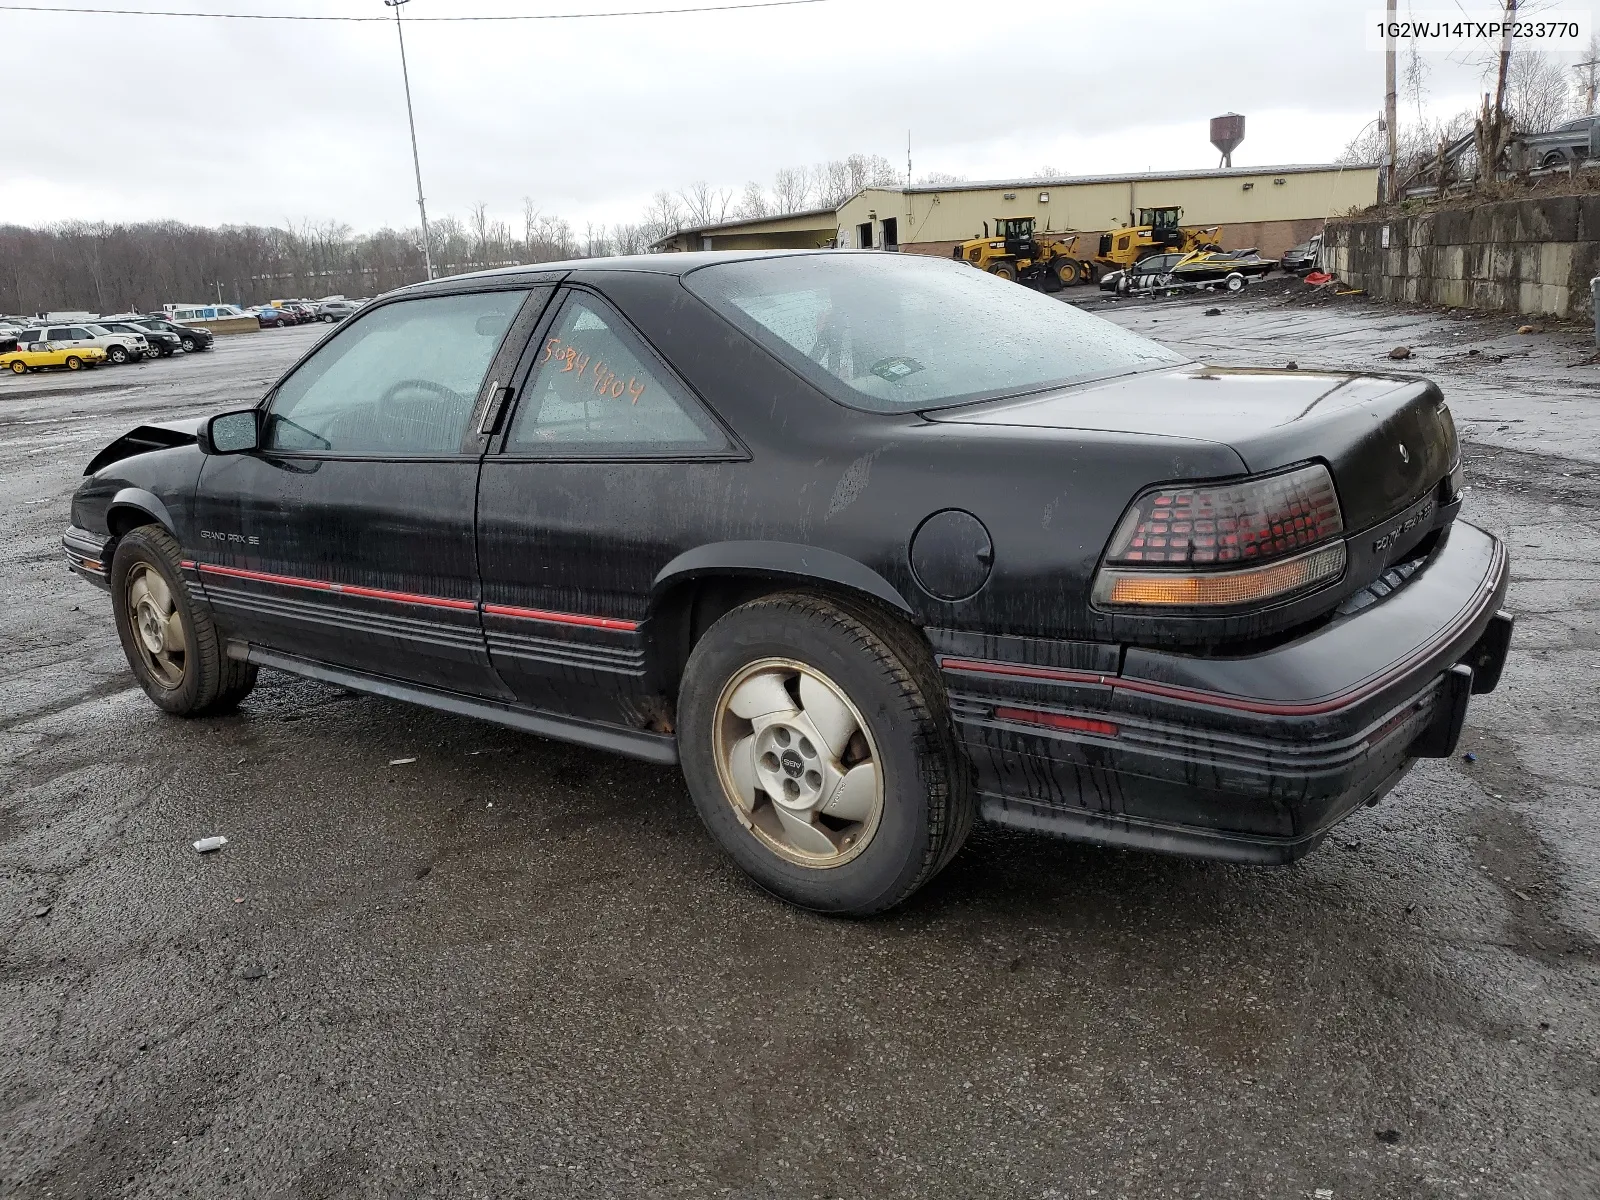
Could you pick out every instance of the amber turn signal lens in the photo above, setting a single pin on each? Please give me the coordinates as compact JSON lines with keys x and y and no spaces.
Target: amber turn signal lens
{"x":1219,"y":589}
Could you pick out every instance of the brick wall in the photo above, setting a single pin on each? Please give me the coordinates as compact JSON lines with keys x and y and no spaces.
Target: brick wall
{"x":1532,"y":256}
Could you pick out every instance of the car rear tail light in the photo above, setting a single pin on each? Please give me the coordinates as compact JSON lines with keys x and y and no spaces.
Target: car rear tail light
{"x":1225,"y":545}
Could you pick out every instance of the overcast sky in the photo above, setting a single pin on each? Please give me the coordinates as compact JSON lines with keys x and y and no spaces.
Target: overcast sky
{"x":277,"y":121}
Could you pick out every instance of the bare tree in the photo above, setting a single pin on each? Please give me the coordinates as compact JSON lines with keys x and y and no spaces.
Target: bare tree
{"x":753,"y":203}
{"x":704,"y":204}
{"x":1538,"y":95}
{"x":937,"y":178}
{"x":791,"y":189}
{"x":664,"y":217}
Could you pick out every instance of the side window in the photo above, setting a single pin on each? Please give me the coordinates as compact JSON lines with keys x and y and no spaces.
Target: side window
{"x":57,"y":334}
{"x":403,"y":379}
{"x":595,"y":387}
{"x":80,"y":334}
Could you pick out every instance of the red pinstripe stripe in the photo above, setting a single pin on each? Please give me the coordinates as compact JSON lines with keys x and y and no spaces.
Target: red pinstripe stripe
{"x":559,"y":618}
{"x":1289,"y":708}
{"x":351,"y":589}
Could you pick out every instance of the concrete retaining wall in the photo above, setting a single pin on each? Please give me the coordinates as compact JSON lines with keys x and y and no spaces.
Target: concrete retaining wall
{"x":1532,"y":256}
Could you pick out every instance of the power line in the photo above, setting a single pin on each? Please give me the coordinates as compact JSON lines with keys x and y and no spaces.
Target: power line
{"x":578,"y":16}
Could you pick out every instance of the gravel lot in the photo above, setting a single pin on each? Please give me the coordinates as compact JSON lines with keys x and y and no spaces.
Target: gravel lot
{"x":518,"y":968}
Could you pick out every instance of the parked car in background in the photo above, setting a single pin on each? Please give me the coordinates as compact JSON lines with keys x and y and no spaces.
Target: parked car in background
{"x":1302,"y":258}
{"x":304,"y":313}
{"x":627,"y":503}
{"x":191,"y":338}
{"x":1566,"y":143}
{"x":36,"y":355}
{"x":117,"y":347}
{"x":274,"y":318}
{"x":160,"y":342}
{"x":331,"y":311}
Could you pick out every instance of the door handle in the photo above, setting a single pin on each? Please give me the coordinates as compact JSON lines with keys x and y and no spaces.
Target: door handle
{"x":491,"y":415}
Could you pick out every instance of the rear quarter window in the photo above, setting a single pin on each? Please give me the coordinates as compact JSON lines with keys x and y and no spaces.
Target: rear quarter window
{"x":902,"y":332}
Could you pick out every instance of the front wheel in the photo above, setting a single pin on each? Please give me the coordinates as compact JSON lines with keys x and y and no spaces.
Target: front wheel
{"x":816,"y":742}
{"x":117,"y":354}
{"x":190,"y":345}
{"x":169,"y":638}
{"x":1067,"y":273}
{"x":73,"y":363}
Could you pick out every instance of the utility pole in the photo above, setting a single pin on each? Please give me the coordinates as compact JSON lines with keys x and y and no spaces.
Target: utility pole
{"x":1589,"y":73}
{"x":416,"y":161}
{"x":1390,"y":115}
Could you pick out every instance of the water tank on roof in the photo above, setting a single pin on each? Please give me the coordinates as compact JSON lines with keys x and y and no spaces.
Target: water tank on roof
{"x":1227,"y":131}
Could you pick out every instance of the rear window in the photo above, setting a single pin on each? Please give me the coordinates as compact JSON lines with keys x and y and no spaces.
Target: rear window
{"x":903,"y":332}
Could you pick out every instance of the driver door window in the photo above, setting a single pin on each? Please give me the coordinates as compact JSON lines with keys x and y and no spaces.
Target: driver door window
{"x":402,"y":380}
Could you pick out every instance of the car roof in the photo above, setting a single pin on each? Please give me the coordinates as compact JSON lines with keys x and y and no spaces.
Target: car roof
{"x":654,"y":264}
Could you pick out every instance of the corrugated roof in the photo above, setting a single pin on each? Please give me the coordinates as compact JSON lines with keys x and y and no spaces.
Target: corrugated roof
{"x":810,"y":212}
{"x":1134,"y":177}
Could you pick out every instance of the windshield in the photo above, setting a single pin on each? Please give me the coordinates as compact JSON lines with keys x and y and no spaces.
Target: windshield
{"x":902,"y":332}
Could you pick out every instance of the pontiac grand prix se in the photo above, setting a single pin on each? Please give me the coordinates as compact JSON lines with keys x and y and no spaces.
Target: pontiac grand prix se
{"x":870,"y":544}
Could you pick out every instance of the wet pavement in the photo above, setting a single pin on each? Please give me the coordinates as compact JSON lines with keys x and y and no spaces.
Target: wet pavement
{"x":515,"y":968}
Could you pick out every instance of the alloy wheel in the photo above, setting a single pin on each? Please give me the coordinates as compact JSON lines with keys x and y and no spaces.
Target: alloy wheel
{"x":158,"y":630}
{"x":797,"y":763}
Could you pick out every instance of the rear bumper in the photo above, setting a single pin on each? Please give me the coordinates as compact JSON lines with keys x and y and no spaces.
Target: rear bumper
{"x":1248,"y":759}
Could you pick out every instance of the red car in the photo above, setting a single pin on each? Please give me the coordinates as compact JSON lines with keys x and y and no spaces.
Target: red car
{"x":274,"y":318}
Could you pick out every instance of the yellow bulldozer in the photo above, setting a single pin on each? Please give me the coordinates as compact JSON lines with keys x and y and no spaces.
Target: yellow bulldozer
{"x":1158,"y":231}
{"x":1016,"y":251}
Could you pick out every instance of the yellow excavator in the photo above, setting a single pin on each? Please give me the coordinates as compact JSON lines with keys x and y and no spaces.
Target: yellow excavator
{"x":1158,"y":231}
{"x":1018,"y":252}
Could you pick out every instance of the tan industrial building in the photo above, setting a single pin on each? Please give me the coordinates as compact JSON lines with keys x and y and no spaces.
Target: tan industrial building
{"x":1270,"y":208}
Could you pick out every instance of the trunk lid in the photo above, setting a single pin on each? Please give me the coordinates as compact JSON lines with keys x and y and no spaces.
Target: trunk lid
{"x":1387,"y":441}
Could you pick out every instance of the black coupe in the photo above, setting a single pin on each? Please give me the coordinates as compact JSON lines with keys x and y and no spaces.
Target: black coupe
{"x":869,"y":543}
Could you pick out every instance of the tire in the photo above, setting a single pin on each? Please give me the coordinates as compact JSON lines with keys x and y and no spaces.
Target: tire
{"x":328,"y":320}
{"x":198,"y":680}
{"x":914,"y":810}
{"x":1005,"y":270}
{"x":1067,"y":273}
{"x":19,"y":368}
{"x":1554,"y":159}
{"x":190,"y":345}
{"x":117,"y":355}
{"x":73,"y":363}
{"x":1235,"y":282}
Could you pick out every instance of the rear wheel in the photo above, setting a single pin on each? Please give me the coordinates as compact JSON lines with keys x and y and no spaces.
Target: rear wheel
{"x":169,"y":638}
{"x":1067,"y":273}
{"x":19,"y":368}
{"x":117,"y":354}
{"x":73,"y":363}
{"x":1005,"y":270}
{"x":816,"y":743}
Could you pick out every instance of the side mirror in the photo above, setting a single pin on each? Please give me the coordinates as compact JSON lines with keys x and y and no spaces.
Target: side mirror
{"x":231,"y":433}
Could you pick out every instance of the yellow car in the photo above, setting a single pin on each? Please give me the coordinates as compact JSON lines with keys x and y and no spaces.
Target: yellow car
{"x":46,"y":354}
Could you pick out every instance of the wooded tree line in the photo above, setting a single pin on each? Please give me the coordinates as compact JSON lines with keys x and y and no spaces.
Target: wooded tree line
{"x":110,"y":267}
